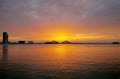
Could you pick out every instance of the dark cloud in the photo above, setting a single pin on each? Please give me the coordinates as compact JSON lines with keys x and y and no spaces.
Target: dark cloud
{"x":54,"y":8}
{"x":16,"y":12}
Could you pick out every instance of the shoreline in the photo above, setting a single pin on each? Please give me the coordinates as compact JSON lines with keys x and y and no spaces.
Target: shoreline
{"x":56,"y":44}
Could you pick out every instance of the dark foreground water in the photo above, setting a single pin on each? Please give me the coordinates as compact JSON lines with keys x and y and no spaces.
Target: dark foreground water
{"x":82,"y":61}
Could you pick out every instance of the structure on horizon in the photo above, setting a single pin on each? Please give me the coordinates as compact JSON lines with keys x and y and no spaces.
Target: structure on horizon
{"x":30,"y":42}
{"x":116,"y":43}
{"x":52,"y":42}
{"x":66,"y":42}
{"x":21,"y":42}
{"x":5,"y":38}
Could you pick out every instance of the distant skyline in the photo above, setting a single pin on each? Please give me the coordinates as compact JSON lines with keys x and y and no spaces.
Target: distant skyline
{"x":73,"y":20}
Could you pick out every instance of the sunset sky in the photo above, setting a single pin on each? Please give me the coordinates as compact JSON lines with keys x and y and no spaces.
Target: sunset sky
{"x":74,"y":20}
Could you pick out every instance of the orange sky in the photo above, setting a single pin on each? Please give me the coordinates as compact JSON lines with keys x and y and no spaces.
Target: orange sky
{"x":61,"y":32}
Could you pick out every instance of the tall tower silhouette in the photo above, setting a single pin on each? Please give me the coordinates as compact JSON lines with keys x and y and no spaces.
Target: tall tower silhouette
{"x":5,"y":38}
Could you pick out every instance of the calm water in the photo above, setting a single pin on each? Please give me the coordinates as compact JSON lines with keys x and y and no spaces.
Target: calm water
{"x":83,"y":61}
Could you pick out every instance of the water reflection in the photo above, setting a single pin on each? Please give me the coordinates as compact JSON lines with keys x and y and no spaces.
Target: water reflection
{"x":60,"y":62}
{"x":5,"y":54}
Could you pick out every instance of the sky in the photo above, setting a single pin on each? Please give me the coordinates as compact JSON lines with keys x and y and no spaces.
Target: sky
{"x":73,"y":20}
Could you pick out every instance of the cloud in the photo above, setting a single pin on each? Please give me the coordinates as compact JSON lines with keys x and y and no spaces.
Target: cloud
{"x":60,"y":9}
{"x":84,"y":13}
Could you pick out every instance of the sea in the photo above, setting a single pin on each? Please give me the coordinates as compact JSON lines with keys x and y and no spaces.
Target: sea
{"x":60,"y":61}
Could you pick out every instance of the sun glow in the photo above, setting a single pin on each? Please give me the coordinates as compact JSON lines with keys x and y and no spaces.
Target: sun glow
{"x":60,"y":38}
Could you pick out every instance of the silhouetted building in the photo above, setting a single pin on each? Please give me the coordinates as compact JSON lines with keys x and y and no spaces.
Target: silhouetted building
{"x":21,"y":42}
{"x":66,"y":42}
{"x":116,"y":43}
{"x":13,"y":42}
{"x":5,"y":38}
{"x":52,"y":42}
{"x":30,"y":42}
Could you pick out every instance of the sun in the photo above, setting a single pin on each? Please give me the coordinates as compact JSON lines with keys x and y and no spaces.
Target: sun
{"x":60,"y":38}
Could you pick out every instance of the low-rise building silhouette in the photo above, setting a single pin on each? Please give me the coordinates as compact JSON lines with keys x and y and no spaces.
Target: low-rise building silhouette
{"x":21,"y":42}
{"x":13,"y":42}
{"x":30,"y":42}
{"x":116,"y":43}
